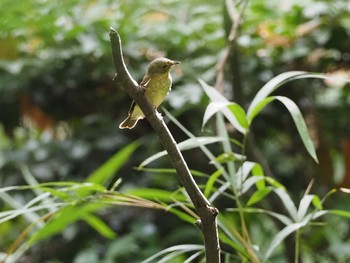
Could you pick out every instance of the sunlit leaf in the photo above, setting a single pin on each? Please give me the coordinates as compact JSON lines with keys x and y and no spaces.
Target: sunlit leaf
{"x":304,"y":206}
{"x":228,"y":157}
{"x":156,"y":194}
{"x":277,"y":82}
{"x":282,"y":218}
{"x":62,"y":219}
{"x":100,"y":226}
{"x":300,"y":124}
{"x":220,"y":104}
{"x":181,"y":248}
{"x":236,"y":110}
{"x":258,"y":171}
{"x":287,"y":202}
{"x":273,"y":182}
{"x":278,"y":239}
{"x":211,"y":181}
{"x":259,"y":107}
{"x":297,"y":118}
{"x":316,"y":201}
{"x":253,"y":180}
{"x":338,"y":212}
{"x":258,"y":195}
{"x":188,"y":144}
{"x":113,"y":164}
{"x":183,"y":216}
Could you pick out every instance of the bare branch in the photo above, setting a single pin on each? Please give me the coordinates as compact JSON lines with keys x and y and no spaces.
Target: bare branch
{"x":206,"y":212}
{"x":236,"y":17}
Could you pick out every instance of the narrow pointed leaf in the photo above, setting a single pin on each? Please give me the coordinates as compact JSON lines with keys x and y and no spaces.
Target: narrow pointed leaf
{"x":211,"y":181}
{"x":113,"y":164}
{"x":300,"y":124}
{"x":100,"y":226}
{"x":287,"y":202}
{"x":304,"y":206}
{"x":277,"y":82}
{"x":280,"y":237}
{"x":258,"y":195}
{"x":221,"y":105}
{"x":188,"y":144}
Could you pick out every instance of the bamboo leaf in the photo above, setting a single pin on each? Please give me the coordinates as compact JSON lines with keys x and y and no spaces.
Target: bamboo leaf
{"x":300,"y":124}
{"x":277,"y":82}
{"x":211,"y":181}
{"x":258,"y":195}
{"x":280,"y":237}
{"x":100,"y":226}
{"x":188,"y":144}
{"x":287,"y":202}
{"x":232,"y":111}
{"x":113,"y":164}
{"x":304,"y":206}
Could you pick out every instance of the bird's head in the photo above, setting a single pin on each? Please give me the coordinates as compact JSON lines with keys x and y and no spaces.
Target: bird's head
{"x":161,"y":65}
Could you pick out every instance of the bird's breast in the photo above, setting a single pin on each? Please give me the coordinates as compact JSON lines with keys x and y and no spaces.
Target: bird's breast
{"x":157,"y":88}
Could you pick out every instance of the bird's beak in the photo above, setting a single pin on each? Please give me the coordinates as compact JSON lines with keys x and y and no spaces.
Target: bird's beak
{"x":176,"y":62}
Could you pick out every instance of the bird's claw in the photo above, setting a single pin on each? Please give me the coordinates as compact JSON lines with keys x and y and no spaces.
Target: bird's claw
{"x":142,"y":89}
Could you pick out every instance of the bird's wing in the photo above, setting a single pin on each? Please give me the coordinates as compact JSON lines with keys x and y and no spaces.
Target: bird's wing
{"x":145,"y":81}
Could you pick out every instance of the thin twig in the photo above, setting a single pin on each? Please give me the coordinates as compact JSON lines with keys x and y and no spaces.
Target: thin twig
{"x":206,"y":212}
{"x":220,"y":66}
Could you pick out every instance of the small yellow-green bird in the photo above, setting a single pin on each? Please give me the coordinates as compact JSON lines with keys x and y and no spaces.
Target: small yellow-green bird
{"x":157,"y":83}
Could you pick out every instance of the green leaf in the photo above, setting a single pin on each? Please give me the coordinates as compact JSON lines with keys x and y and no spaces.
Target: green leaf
{"x":220,"y":103}
{"x":258,"y":195}
{"x":238,"y":114}
{"x":275,"y":83}
{"x":287,"y":202}
{"x":304,"y":206}
{"x":300,"y":124}
{"x":211,"y":181}
{"x":243,"y":172}
{"x":212,"y":93}
{"x":234,"y":245}
{"x":258,"y":108}
{"x":273,"y":182}
{"x":185,"y":145}
{"x":282,"y":218}
{"x":100,"y":226}
{"x":258,"y":171}
{"x":229,"y":235}
{"x":316,"y":201}
{"x":183,"y":216}
{"x":157,"y":194}
{"x":204,"y":149}
{"x":280,"y":237}
{"x":62,"y":219}
{"x":342,"y":213}
{"x":250,"y":182}
{"x":228,"y":157}
{"x":109,"y":168}
{"x":179,"y":248}
{"x":297,"y":118}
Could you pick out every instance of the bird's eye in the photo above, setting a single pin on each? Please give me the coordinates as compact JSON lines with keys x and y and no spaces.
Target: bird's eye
{"x":165,"y":66}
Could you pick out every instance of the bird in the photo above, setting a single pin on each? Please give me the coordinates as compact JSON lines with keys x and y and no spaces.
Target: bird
{"x":157,"y":84}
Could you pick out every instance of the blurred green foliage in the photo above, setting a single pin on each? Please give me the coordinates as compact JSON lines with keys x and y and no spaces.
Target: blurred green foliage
{"x":59,"y":109}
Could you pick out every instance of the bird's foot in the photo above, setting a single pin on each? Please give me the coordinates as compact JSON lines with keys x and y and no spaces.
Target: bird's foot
{"x":142,"y":89}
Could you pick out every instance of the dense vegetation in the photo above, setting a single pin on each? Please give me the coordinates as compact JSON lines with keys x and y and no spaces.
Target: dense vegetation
{"x":69,"y":188}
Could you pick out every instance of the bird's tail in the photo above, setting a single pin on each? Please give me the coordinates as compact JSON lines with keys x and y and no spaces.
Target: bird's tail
{"x":128,"y":123}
